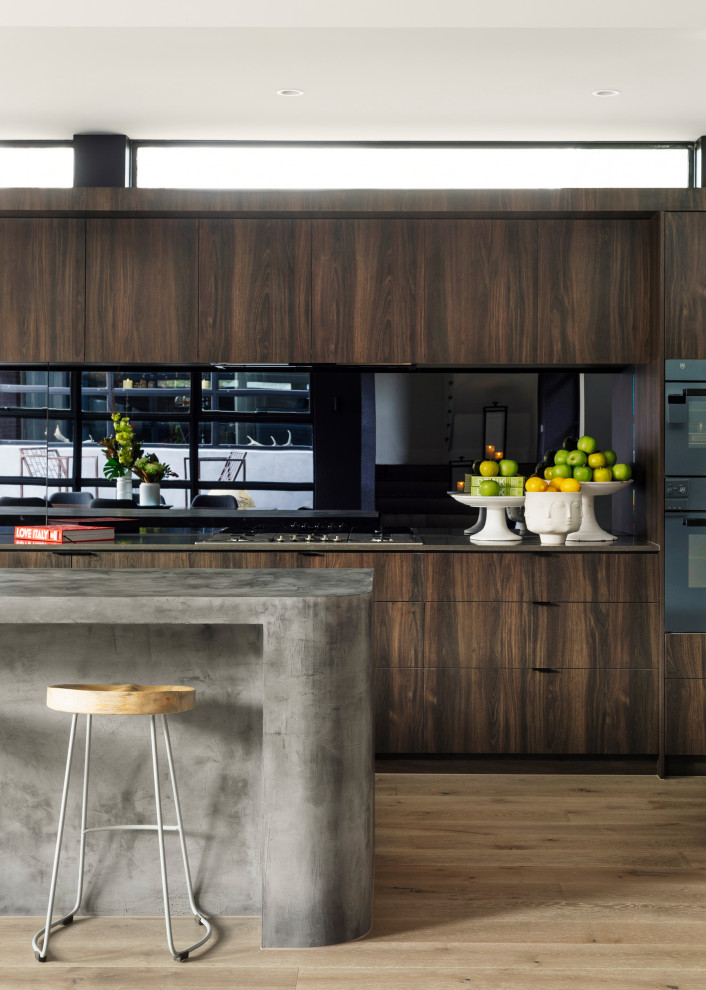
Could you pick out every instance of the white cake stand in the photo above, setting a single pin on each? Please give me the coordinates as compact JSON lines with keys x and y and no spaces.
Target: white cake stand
{"x":590,"y":531}
{"x":495,"y":529}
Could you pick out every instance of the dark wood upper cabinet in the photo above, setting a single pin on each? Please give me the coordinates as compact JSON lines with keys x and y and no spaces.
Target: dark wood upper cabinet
{"x":594,"y":292}
{"x":42,"y":280}
{"x":480,"y":292}
{"x":684,"y":285}
{"x":254,"y":290}
{"x":366,"y":290}
{"x":141,"y":290}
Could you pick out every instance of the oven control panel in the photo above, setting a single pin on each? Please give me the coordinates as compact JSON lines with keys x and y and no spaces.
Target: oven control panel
{"x":676,"y":493}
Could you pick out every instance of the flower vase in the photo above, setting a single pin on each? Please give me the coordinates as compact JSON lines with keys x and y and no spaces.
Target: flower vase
{"x":123,"y":487}
{"x":149,"y":493}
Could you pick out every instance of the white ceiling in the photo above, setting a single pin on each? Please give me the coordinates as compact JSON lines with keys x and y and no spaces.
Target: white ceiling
{"x":457,"y":70}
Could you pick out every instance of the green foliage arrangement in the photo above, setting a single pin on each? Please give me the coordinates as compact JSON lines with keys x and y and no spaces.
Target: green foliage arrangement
{"x":121,"y":450}
{"x":150,"y":470}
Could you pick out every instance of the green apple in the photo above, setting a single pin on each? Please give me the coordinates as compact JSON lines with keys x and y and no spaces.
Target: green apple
{"x":569,"y":443}
{"x":561,"y":456}
{"x":489,"y":468}
{"x":475,"y":467}
{"x":548,"y":473}
{"x":597,"y":460}
{"x":489,"y":488}
{"x":603,"y":474}
{"x":610,"y":457}
{"x":622,"y":472}
{"x":583,"y":473}
{"x":576,"y":458}
{"x":586,"y":444}
{"x":508,"y":468}
{"x":562,"y":471}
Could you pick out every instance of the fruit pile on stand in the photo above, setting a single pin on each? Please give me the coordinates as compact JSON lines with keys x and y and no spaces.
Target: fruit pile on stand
{"x":494,"y":478}
{"x":577,"y":461}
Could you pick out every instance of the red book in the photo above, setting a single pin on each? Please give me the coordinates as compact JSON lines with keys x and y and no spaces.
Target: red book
{"x":63,"y":533}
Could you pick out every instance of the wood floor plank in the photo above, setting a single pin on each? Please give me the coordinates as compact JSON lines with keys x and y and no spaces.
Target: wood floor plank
{"x":505,"y":882}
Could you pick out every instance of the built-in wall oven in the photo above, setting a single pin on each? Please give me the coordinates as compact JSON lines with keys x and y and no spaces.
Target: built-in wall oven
{"x":685,"y":496}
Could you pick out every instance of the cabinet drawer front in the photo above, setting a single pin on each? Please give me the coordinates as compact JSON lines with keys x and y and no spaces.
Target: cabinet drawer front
{"x":608,"y":712}
{"x":519,"y":634}
{"x":685,"y":655}
{"x":398,"y":634}
{"x":399,"y":711}
{"x":685,"y":716}
{"x":398,"y":576}
{"x":543,"y":576}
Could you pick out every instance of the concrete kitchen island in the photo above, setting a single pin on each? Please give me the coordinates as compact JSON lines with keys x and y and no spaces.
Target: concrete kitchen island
{"x":275,"y":764}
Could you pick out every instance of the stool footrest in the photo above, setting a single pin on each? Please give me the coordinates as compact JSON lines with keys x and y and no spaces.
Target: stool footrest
{"x":131,"y":828}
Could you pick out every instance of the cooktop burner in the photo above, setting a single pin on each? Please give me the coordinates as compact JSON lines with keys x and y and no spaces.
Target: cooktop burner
{"x":312,"y":533}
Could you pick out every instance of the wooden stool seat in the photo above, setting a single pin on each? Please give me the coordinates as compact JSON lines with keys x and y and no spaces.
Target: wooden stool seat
{"x":120,"y":699}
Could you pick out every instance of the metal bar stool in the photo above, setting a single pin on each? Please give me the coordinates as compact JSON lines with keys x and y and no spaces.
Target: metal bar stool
{"x":121,"y":699}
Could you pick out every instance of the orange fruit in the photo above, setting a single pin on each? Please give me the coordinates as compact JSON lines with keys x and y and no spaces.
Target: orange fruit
{"x":570,"y":485}
{"x":536,"y":484}
{"x":555,"y":484}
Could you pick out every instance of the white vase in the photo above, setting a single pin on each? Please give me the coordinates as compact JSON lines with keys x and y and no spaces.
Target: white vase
{"x":123,"y":487}
{"x":149,"y":493}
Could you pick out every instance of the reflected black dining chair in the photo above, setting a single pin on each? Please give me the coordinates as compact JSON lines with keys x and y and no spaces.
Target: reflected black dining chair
{"x":112,"y":503}
{"x":33,"y":502}
{"x":214,"y":502}
{"x":70,"y":498}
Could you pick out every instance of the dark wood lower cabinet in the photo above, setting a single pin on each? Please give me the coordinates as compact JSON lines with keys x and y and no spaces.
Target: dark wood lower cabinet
{"x":399,"y":710}
{"x":34,"y":558}
{"x":685,"y":694}
{"x":546,"y":635}
{"x":598,"y":711}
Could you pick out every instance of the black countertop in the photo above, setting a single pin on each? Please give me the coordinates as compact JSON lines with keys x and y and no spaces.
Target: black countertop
{"x":156,"y":538}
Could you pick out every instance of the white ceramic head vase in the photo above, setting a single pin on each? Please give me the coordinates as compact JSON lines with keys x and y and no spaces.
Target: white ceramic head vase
{"x":552,"y":515}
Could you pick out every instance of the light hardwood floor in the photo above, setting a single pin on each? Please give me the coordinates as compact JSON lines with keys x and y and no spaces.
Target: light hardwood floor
{"x":512,"y":882}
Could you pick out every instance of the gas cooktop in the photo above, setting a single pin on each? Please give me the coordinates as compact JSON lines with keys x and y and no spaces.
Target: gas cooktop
{"x":308,"y":533}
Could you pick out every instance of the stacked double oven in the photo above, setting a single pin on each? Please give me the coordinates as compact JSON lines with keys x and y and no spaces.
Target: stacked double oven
{"x":685,"y":496}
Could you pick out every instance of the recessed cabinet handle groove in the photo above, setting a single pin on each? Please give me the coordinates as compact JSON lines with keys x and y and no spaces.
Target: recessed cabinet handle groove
{"x":310,"y":553}
{"x":547,"y":670}
{"x":547,"y":604}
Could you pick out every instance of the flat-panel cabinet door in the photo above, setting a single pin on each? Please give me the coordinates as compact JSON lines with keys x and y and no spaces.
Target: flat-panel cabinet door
{"x":366,"y":290}
{"x":142,"y":290}
{"x":506,"y":710}
{"x":254,"y":290}
{"x":480,"y":292}
{"x":684,"y":285}
{"x":594,"y":292}
{"x":42,"y":289}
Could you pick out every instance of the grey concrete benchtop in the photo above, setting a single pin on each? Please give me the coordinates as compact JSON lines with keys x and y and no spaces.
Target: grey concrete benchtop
{"x":275,"y":761}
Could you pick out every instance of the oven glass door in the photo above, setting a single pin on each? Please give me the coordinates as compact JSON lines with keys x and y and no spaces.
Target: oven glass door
{"x":685,"y":572}
{"x":685,"y":428}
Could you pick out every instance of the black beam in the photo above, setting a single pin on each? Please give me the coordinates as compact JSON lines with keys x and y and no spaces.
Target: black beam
{"x":101,"y":160}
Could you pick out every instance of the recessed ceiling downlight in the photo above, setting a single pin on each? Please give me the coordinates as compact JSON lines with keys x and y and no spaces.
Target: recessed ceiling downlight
{"x":290,"y":92}
{"x":606,"y":92}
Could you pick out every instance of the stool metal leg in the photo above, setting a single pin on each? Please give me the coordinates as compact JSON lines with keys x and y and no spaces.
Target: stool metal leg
{"x":41,"y":954}
{"x":198,"y":914}
{"x":182,"y":955}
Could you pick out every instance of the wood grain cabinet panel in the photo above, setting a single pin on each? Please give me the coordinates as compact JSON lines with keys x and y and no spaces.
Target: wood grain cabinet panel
{"x":42,"y":289}
{"x":39,"y":558}
{"x":399,"y":710}
{"x":366,"y":290}
{"x":543,"y":576}
{"x":518,"y":634}
{"x":480,"y":292}
{"x":684,"y":285}
{"x":142,"y":290}
{"x":594,"y":292}
{"x":398,"y":576}
{"x":254,"y":290}
{"x":398,"y":634}
{"x":685,"y":716}
{"x":608,"y":712}
{"x":685,"y":655}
